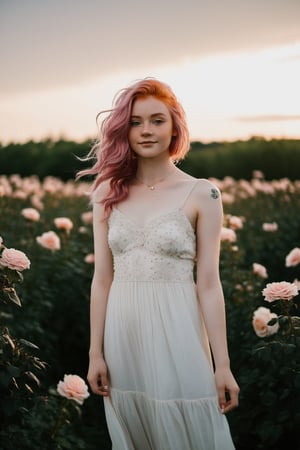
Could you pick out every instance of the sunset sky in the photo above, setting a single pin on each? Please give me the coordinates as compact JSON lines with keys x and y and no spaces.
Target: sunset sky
{"x":234,"y":64}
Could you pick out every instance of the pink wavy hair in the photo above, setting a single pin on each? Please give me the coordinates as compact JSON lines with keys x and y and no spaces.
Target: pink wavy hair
{"x":115,"y":160}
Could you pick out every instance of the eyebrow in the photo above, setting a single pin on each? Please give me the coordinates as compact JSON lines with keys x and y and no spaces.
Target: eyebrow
{"x":152,"y":115}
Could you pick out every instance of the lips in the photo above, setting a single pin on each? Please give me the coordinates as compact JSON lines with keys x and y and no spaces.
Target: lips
{"x":147,"y":142}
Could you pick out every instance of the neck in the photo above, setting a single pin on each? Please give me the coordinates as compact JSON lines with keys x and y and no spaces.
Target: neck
{"x":151,"y":172}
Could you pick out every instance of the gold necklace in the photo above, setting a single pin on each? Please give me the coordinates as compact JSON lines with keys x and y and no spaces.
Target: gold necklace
{"x":152,"y":187}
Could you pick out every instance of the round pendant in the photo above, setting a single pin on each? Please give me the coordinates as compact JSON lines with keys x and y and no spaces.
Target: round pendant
{"x":151,"y":188}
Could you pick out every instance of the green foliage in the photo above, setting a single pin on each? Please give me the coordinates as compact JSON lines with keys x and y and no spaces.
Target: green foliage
{"x":276,"y":158}
{"x":57,"y":158}
{"x":30,"y":419}
{"x":49,"y":422}
{"x":55,"y":315}
{"x":267,"y":370}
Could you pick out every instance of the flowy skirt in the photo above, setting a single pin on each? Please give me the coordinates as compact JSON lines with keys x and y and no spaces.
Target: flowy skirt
{"x":163,"y":394}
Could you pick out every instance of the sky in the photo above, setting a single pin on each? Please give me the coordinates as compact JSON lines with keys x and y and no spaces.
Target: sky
{"x":233,"y":64}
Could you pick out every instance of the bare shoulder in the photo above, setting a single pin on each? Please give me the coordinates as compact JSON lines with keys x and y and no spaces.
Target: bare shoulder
{"x":98,"y":196}
{"x":208,"y":205}
{"x":101,"y":192}
{"x":205,"y":190}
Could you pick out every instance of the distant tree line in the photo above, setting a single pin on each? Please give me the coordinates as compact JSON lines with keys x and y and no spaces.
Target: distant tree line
{"x":276,"y":158}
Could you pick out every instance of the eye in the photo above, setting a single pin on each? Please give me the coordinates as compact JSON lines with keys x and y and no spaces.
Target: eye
{"x":158,"y":121}
{"x":135,"y":123}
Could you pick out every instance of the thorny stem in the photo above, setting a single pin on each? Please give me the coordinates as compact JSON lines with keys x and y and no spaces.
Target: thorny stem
{"x":59,"y":419}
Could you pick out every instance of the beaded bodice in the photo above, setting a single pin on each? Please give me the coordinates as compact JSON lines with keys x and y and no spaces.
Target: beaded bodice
{"x":162,"y":250}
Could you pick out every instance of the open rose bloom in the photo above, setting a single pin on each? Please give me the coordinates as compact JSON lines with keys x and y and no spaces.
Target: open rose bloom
{"x":74,"y":388}
{"x":31,"y":214}
{"x":270,"y":227}
{"x":293,"y":258}
{"x":49,"y":240}
{"x":261,"y":318}
{"x":63,"y":223}
{"x":260,"y":270}
{"x":87,"y":217}
{"x":282,"y":290}
{"x":227,"y":234}
{"x":14,"y":259}
{"x":89,"y":258}
{"x":235,"y":222}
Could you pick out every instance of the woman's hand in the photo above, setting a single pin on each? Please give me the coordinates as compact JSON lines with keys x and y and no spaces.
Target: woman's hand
{"x":97,"y":376}
{"x":227,"y":388}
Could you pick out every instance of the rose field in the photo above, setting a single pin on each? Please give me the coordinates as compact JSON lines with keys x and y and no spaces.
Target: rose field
{"x":46,"y":265}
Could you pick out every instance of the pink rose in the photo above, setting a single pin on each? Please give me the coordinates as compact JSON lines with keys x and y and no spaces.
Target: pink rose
{"x":227,"y":234}
{"x":280,"y":291}
{"x":74,"y":388}
{"x":31,"y":214}
{"x":261,"y":318}
{"x":21,"y":195}
{"x":293,"y":258}
{"x":49,"y":240}
{"x":227,"y":198}
{"x":36,"y":202}
{"x":90,"y":258}
{"x":297,"y":283}
{"x":14,"y":259}
{"x":270,"y":227}
{"x":235,"y":222}
{"x":260,"y":270}
{"x":63,"y":223}
{"x":87,"y":217}
{"x":258,"y":174}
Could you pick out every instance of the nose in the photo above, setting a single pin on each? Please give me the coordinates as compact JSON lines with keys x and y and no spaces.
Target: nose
{"x":146,"y":130}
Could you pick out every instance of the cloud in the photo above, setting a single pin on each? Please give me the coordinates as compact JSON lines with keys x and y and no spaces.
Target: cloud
{"x":269,"y":118}
{"x":63,"y":42}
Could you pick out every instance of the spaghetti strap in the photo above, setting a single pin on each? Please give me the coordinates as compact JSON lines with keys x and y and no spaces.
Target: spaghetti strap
{"x":189,"y":193}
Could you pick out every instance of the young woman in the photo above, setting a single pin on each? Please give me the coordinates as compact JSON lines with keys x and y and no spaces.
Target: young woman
{"x":153,"y":328}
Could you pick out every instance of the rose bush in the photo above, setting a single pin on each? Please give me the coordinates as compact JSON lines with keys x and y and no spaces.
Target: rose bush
{"x":56,"y":306}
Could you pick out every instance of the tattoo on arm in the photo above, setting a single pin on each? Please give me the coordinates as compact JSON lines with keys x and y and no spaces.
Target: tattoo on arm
{"x":214,"y":193}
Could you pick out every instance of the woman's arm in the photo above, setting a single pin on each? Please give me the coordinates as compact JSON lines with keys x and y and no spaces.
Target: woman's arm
{"x":101,"y":282}
{"x":209,"y":289}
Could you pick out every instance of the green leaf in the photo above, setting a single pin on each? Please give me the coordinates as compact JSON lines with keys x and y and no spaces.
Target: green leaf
{"x":20,"y":276}
{"x":28,"y":344}
{"x":9,"y":340}
{"x":13,"y":371}
{"x":12,"y":295}
{"x":33,"y":377}
{"x":28,"y":388}
{"x":272,"y":321}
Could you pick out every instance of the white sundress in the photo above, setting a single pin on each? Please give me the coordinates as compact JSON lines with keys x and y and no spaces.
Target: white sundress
{"x":163,"y":394}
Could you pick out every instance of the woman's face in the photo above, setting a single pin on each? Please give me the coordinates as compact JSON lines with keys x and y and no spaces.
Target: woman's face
{"x":151,"y":128}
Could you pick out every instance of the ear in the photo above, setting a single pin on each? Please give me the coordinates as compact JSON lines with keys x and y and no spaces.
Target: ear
{"x":174,"y":133}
